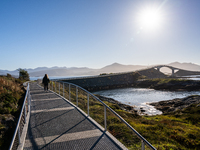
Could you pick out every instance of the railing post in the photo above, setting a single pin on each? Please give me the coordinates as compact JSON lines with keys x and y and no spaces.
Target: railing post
{"x":59,"y":88}
{"x":105,"y":118}
{"x":25,"y":112}
{"x":88,"y":97}
{"x":29,"y":101}
{"x":55,"y":86}
{"x":19,"y":134}
{"x":69,"y":93}
{"x":143,"y":146}
{"x":63,"y":89}
{"x":52,"y":85}
{"x":76,"y":96}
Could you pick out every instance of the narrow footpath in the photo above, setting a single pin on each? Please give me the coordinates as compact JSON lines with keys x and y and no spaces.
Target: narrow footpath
{"x":55,"y":124}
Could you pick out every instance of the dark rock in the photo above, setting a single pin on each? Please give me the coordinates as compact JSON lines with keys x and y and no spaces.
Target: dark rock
{"x":176,"y":104}
{"x":122,"y":106}
{"x":142,"y":110}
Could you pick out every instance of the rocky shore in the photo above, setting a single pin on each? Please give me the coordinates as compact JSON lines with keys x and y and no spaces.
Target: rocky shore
{"x":166,"y":106}
{"x":132,"y":109}
{"x":121,"y":105}
{"x":176,"y":104}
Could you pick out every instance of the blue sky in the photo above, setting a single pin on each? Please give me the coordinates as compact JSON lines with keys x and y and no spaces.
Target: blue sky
{"x":96,"y":33}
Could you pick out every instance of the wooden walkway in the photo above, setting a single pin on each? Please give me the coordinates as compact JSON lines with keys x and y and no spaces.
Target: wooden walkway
{"x":55,"y":124}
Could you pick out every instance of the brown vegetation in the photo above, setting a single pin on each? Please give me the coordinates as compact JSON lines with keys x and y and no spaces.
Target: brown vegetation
{"x":11,"y":99}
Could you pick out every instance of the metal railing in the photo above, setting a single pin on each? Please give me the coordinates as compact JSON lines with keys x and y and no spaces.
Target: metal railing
{"x":86,"y":101}
{"x":19,"y":135}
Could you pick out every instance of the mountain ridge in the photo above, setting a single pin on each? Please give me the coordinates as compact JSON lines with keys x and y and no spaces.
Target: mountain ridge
{"x":112,"y":68}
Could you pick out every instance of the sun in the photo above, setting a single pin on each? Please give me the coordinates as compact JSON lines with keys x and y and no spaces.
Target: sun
{"x":149,"y":18}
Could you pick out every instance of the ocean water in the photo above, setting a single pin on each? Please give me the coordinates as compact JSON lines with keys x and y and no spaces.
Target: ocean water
{"x":141,"y":97}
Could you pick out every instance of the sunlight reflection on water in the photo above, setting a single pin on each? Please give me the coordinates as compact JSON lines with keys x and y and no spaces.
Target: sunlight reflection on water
{"x":140,"y":97}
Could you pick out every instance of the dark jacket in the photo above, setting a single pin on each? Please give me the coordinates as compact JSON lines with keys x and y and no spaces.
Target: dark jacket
{"x":45,"y":80}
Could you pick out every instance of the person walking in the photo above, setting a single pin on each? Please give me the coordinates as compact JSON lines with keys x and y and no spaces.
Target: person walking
{"x":46,"y":81}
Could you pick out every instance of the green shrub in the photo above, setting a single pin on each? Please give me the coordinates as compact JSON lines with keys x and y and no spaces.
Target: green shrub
{"x":23,"y":75}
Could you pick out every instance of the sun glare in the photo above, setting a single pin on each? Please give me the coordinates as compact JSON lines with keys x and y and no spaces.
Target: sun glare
{"x":149,"y":19}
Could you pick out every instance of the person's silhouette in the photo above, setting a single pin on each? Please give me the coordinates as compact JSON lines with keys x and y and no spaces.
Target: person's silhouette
{"x":45,"y":81}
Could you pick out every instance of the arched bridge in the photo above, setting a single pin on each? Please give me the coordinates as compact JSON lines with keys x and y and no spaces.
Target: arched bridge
{"x":170,"y":67}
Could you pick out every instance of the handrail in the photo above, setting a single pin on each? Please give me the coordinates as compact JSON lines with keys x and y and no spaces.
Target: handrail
{"x":25,"y":112}
{"x":143,"y":140}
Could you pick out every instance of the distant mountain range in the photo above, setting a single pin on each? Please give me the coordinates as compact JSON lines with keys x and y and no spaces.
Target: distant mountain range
{"x":83,"y":71}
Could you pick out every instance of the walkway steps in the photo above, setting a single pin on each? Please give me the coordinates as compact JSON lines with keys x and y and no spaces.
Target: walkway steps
{"x":55,"y":124}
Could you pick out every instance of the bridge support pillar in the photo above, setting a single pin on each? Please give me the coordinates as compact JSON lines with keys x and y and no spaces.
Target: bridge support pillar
{"x":172,"y":72}
{"x":157,"y":68}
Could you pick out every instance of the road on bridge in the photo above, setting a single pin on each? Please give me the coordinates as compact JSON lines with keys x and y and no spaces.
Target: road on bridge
{"x":56,"y":124}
